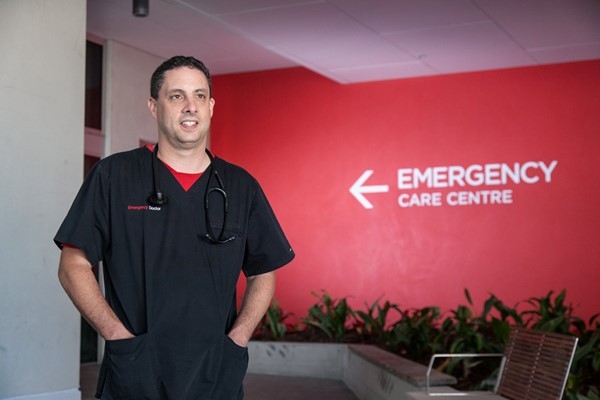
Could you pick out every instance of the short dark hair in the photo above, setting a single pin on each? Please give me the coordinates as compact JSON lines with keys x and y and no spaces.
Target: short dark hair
{"x":158,"y":77}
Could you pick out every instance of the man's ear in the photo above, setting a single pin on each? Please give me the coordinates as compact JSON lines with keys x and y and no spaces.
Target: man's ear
{"x":152,"y":107}
{"x":212,"y":105}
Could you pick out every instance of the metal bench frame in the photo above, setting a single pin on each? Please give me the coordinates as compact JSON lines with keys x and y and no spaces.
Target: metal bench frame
{"x":535,"y":366}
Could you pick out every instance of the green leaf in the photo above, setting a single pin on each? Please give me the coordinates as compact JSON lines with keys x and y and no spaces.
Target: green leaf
{"x":468,"y":296}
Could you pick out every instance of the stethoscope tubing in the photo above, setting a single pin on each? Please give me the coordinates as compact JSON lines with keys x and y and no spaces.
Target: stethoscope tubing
{"x":159,"y":199}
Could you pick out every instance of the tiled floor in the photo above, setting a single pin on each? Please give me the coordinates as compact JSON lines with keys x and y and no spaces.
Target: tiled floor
{"x":256,"y":387}
{"x":266,"y":387}
{"x":88,"y":375}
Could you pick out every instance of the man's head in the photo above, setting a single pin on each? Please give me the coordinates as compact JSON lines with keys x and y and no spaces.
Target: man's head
{"x":181,"y":102}
{"x":158,"y":77}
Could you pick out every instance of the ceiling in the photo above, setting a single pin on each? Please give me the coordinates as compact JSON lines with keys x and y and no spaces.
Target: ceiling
{"x":352,"y":41}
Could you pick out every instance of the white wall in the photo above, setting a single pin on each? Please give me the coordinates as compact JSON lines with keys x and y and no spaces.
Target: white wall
{"x":127,"y":89}
{"x":42,"y":66}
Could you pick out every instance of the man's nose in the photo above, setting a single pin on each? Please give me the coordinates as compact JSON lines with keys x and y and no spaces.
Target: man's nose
{"x":190,"y":106}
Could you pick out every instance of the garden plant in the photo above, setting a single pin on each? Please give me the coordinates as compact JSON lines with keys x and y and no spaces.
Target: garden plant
{"x":416,"y":334}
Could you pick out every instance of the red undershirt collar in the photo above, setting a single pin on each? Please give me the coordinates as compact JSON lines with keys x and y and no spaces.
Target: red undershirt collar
{"x":186,"y":180}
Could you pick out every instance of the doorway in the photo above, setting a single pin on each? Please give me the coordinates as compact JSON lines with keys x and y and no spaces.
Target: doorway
{"x":94,"y":149}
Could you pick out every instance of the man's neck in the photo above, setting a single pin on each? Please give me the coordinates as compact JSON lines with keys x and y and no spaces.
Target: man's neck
{"x":191,"y":161}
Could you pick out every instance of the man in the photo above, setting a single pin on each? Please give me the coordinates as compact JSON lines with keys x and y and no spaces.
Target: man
{"x":172,"y":258}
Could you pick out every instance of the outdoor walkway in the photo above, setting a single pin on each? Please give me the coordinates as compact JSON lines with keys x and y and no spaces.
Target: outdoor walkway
{"x":256,"y":387}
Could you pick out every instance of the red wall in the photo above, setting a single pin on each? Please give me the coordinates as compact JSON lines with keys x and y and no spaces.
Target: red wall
{"x":308,"y":140}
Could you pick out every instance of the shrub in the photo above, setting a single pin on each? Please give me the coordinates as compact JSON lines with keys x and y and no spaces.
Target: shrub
{"x":330,"y":316}
{"x":272,"y":325}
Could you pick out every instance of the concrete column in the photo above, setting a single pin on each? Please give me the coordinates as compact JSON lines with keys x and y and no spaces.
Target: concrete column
{"x":42,"y":67}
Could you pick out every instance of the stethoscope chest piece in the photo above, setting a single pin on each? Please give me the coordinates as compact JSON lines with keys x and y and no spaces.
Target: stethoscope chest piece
{"x":157,"y":198}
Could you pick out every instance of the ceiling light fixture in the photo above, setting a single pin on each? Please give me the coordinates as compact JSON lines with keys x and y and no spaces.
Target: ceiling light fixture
{"x":141,"y":8}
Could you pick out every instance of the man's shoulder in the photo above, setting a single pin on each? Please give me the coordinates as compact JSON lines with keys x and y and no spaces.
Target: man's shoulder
{"x":128,"y":155}
{"x":227,"y":168}
{"x":121,"y":164}
{"x":125,"y":157}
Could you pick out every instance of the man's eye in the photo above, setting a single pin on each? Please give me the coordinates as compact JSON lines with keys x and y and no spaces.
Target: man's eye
{"x":201,"y":96}
{"x":175,"y":97}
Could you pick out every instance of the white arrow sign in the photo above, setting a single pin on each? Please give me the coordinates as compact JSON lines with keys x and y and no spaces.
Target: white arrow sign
{"x":358,"y":189}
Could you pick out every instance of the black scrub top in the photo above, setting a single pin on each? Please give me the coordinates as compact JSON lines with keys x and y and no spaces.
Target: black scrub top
{"x":167,"y":283}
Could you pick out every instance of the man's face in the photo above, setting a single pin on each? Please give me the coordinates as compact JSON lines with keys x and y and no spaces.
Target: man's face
{"x":183,"y":108}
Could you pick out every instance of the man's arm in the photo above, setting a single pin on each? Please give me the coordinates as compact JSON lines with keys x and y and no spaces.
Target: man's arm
{"x":78,"y":280}
{"x":258,"y":295}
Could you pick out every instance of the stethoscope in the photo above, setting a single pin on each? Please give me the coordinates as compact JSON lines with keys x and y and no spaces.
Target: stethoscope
{"x":159,"y":199}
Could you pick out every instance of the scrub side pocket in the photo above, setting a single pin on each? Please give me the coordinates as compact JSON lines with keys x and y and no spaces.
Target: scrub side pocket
{"x":234,"y":363}
{"x":131,"y":373}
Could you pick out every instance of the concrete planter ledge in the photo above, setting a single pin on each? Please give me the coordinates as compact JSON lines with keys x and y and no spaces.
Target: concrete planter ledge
{"x":405,"y":369}
{"x":370,"y":372}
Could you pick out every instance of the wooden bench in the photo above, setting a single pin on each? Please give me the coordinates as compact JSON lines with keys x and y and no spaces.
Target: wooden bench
{"x":535,"y":366}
